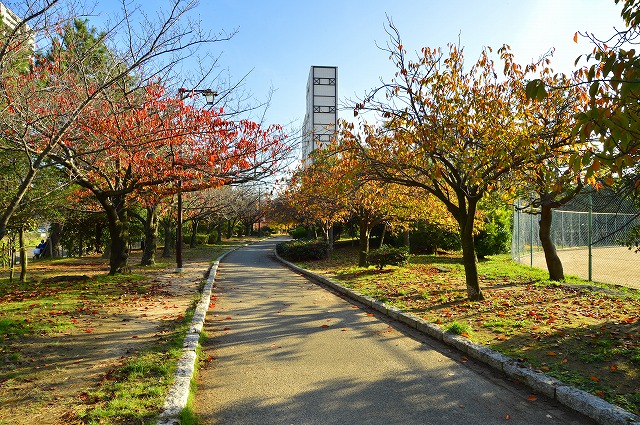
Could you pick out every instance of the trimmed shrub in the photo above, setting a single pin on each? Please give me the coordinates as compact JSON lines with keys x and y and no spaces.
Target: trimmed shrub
{"x":299,"y":232}
{"x":388,"y":255}
{"x":212,"y":238}
{"x":303,"y":250}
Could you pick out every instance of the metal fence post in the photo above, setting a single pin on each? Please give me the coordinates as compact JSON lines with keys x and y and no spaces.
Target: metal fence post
{"x":590,"y":237}
{"x":518,"y":230}
{"x":531,"y":234}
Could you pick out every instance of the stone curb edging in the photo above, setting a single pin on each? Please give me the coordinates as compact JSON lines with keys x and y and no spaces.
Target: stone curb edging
{"x":581,"y":401}
{"x":178,"y":394}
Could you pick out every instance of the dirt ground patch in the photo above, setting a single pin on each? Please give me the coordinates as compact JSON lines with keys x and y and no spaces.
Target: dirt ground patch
{"x":44,"y":377}
{"x":616,"y":265}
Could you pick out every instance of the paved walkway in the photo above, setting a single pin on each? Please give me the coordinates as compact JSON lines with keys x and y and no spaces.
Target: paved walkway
{"x":286,"y":351}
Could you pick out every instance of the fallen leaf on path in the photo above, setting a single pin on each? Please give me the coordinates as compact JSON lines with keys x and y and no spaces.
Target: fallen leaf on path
{"x":532,"y":397}
{"x":324,"y":326}
{"x":594,"y":378}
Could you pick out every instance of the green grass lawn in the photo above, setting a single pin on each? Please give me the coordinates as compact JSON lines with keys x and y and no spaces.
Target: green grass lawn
{"x":584,"y":334}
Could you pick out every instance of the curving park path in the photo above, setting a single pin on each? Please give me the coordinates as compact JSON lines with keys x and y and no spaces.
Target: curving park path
{"x":284,"y":350}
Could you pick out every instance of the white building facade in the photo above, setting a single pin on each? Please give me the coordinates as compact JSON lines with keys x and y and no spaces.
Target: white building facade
{"x":321,"y":119}
{"x":9,"y":21}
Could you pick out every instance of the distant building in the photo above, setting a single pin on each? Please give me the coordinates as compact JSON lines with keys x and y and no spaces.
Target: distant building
{"x":8,"y":17}
{"x":321,"y":119}
{"x":10,"y":20}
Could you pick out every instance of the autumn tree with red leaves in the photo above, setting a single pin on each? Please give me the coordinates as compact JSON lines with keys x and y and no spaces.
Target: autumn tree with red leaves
{"x":162,"y":145}
{"x":44,"y":98}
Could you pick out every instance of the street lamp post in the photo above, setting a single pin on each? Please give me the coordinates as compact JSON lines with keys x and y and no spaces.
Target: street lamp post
{"x":209,"y":96}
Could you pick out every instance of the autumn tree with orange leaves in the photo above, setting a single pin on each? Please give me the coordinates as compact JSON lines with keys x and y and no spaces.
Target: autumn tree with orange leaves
{"x":453,"y":132}
{"x":335,"y":187}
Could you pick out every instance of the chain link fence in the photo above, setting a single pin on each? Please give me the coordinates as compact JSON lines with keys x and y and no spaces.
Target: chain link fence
{"x":588,"y":233}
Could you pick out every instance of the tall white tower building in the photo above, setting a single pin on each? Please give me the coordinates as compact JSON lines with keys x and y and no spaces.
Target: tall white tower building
{"x":321,"y":119}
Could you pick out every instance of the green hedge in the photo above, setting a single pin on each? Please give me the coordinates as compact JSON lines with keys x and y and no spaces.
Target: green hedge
{"x":388,"y":255}
{"x":303,"y":250}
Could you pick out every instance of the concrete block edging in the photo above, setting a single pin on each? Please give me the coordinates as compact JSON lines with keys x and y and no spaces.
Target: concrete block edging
{"x":581,"y":401}
{"x":176,"y":398}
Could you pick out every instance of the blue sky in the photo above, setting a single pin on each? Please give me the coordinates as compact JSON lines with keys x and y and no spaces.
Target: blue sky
{"x":278,"y":40}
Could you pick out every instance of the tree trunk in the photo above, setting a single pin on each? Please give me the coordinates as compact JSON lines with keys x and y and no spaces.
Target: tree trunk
{"x":23,"y":255}
{"x":384,"y":231}
{"x":98,"y":238}
{"x":230,"y":226}
{"x":554,"y":264}
{"x":119,"y":231}
{"x":53,"y":244}
{"x":194,"y":234}
{"x":470,"y":261}
{"x":150,"y":236}
{"x":166,"y":252}
{"x":219,"y":231}
{"x":330,"y":236}
{"x":365,"y":232}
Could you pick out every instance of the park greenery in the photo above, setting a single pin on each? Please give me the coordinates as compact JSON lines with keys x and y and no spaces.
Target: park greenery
{"x":99,"y":136}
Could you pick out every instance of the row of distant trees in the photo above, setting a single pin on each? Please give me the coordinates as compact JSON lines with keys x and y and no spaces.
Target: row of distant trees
{"x":454,"y":143}
{"x":100,"y":122}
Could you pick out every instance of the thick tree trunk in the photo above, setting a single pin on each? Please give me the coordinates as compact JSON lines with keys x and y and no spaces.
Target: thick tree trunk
{"x":150,"y":237}
{"x":23,"y":255}
{"x":470,"y":261}
{"x":554,"y":264}
{"x":365,"y":233}
{"x":119,"y":231}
